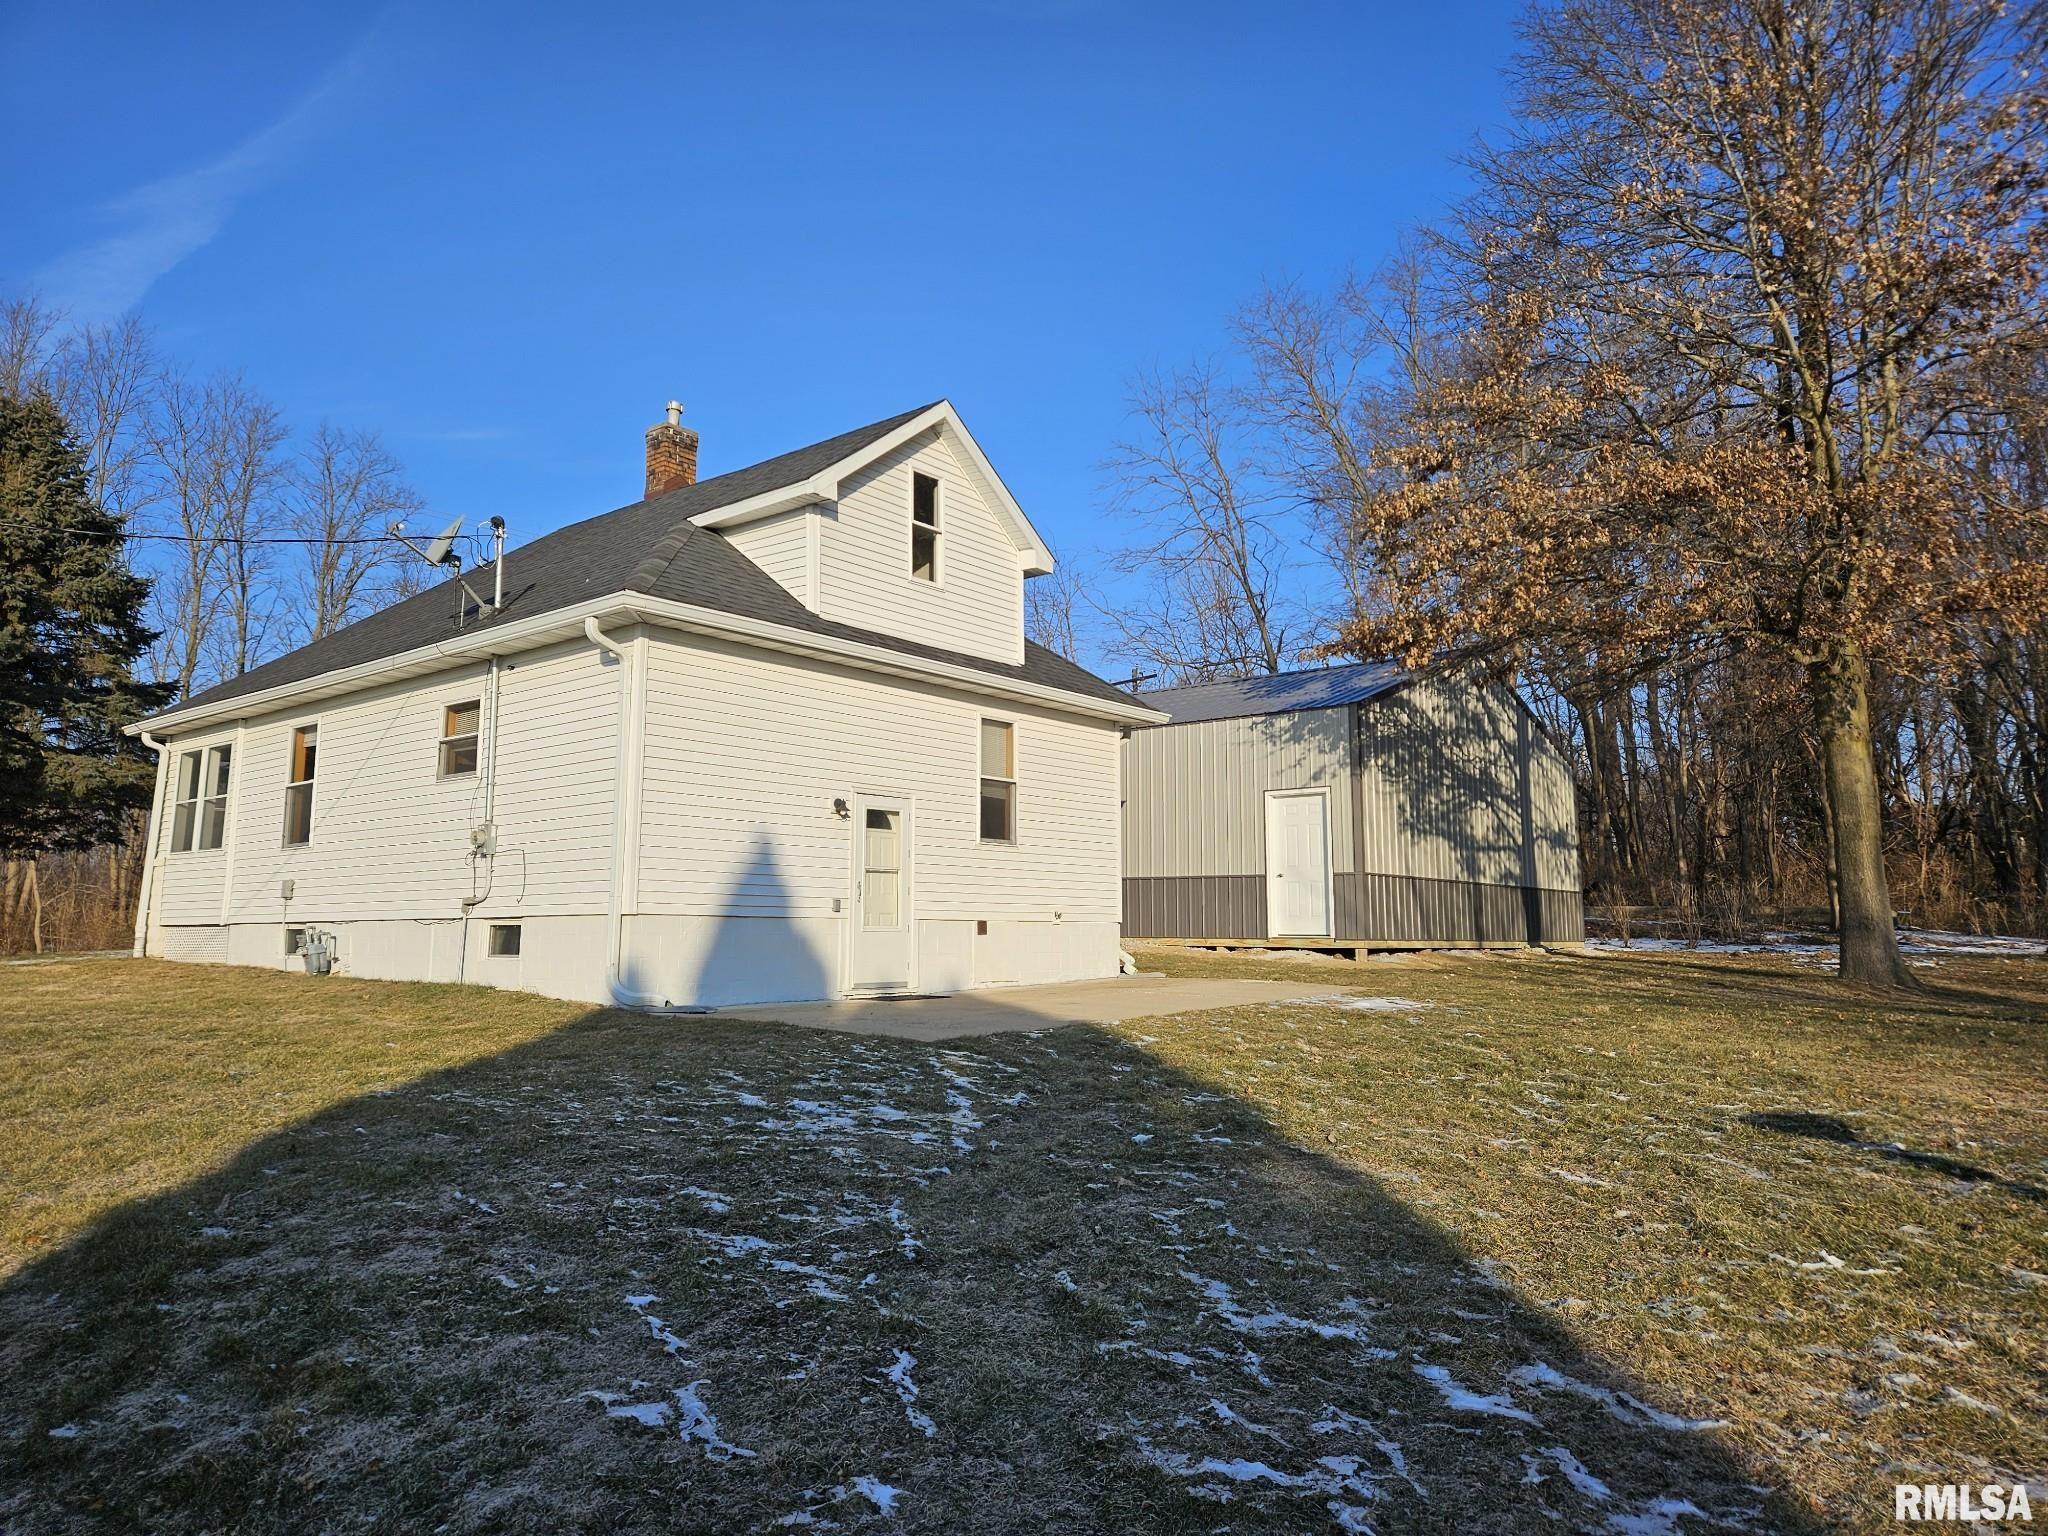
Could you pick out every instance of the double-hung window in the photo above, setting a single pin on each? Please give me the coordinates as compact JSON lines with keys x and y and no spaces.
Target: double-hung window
{"x":998,"y":782}
{"x":200,"y":816}
{"x":298,"y":790}
{"x":924,"y":527}
{"x":458,"y":739}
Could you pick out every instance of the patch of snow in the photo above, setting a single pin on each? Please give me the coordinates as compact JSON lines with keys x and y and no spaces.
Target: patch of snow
{"x":216,"y":1232}
{"x":1619,"y":1405}
{"x":1659,"y":1517}
{"x":1142,"y":1137}
{"x":901,"y":1223}
{"x":1463,"y":1400}
{"x":506,"y":1281}
{"x":653,"y":1415}
{"x":699,"y":1424}
{"x":1230,"y":1415}
{"x":65,"y":1432}
{"x":1829,"y":1261}
{"x":1336,"y":1420}
{"x":1963,"y":1399}
{"x":906,"y":1389}
{"x":1573,"y":1469}
{"x":1586,"y":1179}
{"x":1335,"y":1477}
{"x":1224,"y":1305}
{"x":1354,"y":1004}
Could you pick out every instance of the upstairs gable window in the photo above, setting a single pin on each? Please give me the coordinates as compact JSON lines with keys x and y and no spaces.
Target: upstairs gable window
{"x":924,"y":527}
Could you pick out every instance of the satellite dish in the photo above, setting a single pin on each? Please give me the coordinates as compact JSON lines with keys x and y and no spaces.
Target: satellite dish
{"x":436,"y":553}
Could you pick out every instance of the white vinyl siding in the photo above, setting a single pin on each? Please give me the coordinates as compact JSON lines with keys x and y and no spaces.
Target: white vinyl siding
{"x":746,"y":752}
{"x":864,"y":566}
{"x":781,"y":546}
{"x":393,"y":838}
{"x":190,"y":884}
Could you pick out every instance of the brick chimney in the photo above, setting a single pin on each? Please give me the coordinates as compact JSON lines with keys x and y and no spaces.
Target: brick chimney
{"x":671,"y":453}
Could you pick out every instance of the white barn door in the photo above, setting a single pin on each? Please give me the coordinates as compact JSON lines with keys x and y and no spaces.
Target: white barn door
{"x":1298,"y":863}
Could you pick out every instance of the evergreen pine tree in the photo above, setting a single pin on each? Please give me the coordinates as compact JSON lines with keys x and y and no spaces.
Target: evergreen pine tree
{"x":70,"y":631}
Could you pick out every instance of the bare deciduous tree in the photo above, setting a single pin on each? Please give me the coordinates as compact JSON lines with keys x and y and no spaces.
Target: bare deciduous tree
{"x":1055,"y":610}
{"x":344,"y":490}
{"x":1213,"y":604}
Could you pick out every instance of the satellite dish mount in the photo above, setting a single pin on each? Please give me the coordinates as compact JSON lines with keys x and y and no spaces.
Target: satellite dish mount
{"x":440,"y":552}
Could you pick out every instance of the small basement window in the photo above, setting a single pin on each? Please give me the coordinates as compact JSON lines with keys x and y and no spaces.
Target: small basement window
{"x":504,"y":939}
{"x":458,"y":739}
{"x":924,"y":527}
{"x":298,"y":789}
{"x":294,"y":941}
{"x":998,"y":782}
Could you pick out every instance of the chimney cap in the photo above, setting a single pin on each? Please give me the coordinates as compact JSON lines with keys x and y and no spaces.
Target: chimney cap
{"x":675,"y":413}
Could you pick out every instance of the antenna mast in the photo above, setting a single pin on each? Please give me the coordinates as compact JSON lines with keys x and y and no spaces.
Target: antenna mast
{"x":441,"y":552}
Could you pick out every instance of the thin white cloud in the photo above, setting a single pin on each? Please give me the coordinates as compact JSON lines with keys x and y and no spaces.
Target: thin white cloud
{"x":162,"y":223}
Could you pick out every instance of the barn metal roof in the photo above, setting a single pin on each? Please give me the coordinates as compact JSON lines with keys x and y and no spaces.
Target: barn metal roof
{"x":1317,"y":688}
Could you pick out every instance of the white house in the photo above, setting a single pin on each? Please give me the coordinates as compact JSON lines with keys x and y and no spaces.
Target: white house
{"x":776,"y":735}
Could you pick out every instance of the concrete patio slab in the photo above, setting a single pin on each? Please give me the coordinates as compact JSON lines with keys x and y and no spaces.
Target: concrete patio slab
{"x":999,"y":1010}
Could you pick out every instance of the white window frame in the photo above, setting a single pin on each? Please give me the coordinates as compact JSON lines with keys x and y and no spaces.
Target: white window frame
{"x":937,"y":527}
{"x":190,"y":836}
{"x":474,"y":738}
{"x":291,"y":784}
{"x":986,"y":778}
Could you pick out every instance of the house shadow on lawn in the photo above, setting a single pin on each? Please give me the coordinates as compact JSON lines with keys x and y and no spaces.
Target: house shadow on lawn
{"x":713,"y":1275}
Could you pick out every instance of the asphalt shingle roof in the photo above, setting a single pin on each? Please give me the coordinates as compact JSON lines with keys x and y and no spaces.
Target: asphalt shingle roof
{"x":1320,"y":688}
{"x":651,"y":547}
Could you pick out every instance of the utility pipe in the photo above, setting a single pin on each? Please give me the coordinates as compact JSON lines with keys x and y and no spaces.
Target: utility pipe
{"x":487,"y":851}
{"x":156,"y":814}
{"x":615,"y":989}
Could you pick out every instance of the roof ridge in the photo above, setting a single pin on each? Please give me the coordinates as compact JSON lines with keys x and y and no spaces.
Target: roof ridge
{"x":663,"y":552}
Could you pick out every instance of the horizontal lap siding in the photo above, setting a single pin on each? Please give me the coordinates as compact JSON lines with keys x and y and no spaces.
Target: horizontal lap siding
{"x":864,"y":559}
{"x":781,"y":546}
{"x":1194,"y":795}
{"x":390,"y":837}
{"x":746,"y":751}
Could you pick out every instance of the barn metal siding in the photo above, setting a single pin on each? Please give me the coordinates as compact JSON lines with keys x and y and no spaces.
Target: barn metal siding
{"x":1371,"y":909}
{"x":1195,"y":907}
{"x":1458,"y":784}
{"x":1458,"y":828}
{"x":1195,"y":794}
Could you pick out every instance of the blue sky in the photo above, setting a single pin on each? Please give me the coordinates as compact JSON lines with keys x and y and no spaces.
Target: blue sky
{"x":504,"y":236}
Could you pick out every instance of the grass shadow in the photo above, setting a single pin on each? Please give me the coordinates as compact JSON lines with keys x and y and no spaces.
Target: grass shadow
{"x":642,"y":1275}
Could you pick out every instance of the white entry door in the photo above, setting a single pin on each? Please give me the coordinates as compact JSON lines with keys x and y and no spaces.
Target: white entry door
{"x":881,"y":948}
{"x":1298,"y":863}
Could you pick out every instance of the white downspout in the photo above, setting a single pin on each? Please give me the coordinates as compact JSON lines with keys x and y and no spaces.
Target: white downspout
{"x":630,"y":706}
{"x":156,"y":812}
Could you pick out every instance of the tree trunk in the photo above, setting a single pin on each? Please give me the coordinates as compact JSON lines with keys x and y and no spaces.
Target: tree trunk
{"x":1841,"y":697}
{"x":33,"y":894}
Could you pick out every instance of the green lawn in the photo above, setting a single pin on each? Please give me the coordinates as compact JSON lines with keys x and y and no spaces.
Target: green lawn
{"x":1632,"y":1244}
